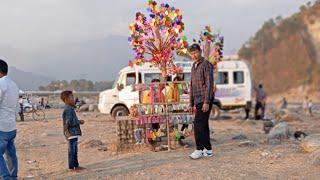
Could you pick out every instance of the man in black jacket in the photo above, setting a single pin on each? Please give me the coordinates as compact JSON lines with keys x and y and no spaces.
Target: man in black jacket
{"x":201,"y":98}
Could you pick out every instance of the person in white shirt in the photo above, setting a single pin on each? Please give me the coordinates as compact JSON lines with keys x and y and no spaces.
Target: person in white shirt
{"x":9,"y":95}
{"x":305,"y":105}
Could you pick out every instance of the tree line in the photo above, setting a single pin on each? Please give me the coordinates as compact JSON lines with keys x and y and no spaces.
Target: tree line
{"x":77,"y":85}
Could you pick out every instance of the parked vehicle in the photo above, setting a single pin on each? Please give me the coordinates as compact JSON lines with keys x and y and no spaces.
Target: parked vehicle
{"x":233,"y":83}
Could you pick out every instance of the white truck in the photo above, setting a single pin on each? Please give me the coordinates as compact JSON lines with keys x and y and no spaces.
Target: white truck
{"x":233,"y":82}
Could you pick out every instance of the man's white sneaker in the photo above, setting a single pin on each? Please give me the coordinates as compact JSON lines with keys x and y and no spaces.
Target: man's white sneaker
{"x":197,"y":154}
{"x":207,"y":153}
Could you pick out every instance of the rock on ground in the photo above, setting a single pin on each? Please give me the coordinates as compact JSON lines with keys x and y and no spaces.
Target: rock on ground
{"x":93,"y":108}
{"x":247,"y":144}
{"x":240,"y":137}
{"x":278,"y":132}
{"x":268,"y":125}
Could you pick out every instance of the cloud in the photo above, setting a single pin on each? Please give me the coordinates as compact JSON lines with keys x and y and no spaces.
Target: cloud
{"x":37,"y":25}
{"x":120,"y":28}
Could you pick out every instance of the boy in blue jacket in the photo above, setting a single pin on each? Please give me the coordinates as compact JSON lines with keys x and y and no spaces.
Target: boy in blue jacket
{"x":71,"y":129}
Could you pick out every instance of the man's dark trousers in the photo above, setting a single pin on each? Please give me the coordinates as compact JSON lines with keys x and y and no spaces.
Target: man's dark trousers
{"x":201,"y":128}
{"x":262,"y":106}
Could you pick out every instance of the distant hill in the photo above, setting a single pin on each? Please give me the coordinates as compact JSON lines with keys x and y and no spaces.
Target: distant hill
{"x":285,"y":53}
{"x":27,"y":80}
{"x":96,"y":60}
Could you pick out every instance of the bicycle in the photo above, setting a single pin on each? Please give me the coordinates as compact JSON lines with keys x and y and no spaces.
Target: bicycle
{"x":38,"y":114}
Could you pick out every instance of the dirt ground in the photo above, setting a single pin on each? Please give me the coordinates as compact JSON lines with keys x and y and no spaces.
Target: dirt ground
{"x":42,"y":152}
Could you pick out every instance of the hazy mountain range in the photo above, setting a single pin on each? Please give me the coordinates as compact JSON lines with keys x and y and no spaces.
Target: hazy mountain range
{"x":95,"y":60}
{"x":27,"y":80}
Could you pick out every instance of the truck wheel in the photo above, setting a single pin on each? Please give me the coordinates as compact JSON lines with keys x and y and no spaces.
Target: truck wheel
{"x":215,"y":112}
{"x":119,"y":111}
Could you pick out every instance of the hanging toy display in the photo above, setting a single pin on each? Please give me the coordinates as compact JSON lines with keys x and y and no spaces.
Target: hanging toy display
{"x":156,"y":36}
{"x":212,"y":44}
{"x":177,"y":133}
{"x":138,"y":136}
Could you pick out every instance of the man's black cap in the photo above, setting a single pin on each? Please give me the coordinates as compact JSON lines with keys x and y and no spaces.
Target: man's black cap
{"x":194,"y":47}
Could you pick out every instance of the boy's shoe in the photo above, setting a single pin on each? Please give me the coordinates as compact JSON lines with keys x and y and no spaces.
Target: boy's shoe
{"x":197,"y":154}
{"x":207,"y":153}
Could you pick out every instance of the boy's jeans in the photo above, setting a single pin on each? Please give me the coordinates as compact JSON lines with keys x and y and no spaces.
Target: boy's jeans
{"x":8,"y":167}
{"x":73,"y":153}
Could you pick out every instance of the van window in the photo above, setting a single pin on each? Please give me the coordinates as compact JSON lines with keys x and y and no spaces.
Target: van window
{"x":187,"y":77}
{"x":150,"y":76}
{"x":223,"y":78}
{"x":238,"y":77}
{"x":131,"y":79}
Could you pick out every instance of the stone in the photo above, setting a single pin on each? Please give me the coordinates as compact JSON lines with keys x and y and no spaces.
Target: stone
{"x":247,"y":144}
{"x":31,"y":161}
{"x":299,"y":135}
{"x":89,"y":101}
{"x":265,"y":153}
{"x":103,"y":148}
{"x":84,"y":108}
{"x":268,"y":125}
{"x":240,"y":137}
{"x":278,"y":132}
{"x":93,"y":107}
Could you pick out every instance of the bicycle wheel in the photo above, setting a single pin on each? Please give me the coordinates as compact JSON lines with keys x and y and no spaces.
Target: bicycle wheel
{"x":38,"y":115}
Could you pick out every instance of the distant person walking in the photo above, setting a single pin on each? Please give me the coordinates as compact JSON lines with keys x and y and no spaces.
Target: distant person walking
{"x":42,"y":102}
{"x":307,"y":106}
{"x":21,"y":114}
{"x":9,"y":94}
{"x":284,"y":104}
{"x":261,"y":98}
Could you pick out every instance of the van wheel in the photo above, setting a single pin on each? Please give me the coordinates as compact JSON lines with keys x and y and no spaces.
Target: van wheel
{"x":119,"y":111}
{"x":215,"y":112}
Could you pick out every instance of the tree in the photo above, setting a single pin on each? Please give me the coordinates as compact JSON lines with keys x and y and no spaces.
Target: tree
{"x":42,"y":88}
{"x":309,"y":4}
{"x":303,"y":8}
{"x":278,"y":19}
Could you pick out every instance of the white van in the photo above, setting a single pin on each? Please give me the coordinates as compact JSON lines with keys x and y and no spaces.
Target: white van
{"x":233,"y":81}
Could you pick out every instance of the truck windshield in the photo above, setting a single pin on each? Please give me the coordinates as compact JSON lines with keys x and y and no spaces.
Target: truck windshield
{"x":115,"y":82}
